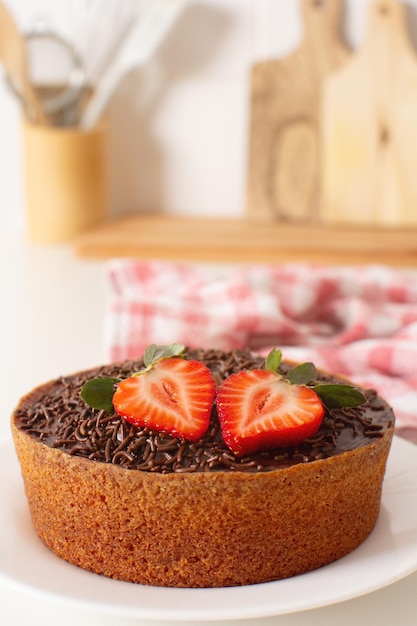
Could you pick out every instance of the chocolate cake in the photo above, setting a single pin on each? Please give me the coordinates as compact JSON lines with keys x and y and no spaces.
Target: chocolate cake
{"x":146,"y":507}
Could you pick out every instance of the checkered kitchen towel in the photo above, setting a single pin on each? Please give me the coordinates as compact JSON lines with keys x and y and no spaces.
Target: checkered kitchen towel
{"x":358,"y":321}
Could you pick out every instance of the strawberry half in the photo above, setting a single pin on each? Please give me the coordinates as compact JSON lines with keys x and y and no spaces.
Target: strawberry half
{"x":259,"y":410}
{"x":172,"y":395}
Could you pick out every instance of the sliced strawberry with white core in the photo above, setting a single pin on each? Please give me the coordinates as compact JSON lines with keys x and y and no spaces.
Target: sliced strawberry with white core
{"x":174,"y":396}
{"x":260,"y":410}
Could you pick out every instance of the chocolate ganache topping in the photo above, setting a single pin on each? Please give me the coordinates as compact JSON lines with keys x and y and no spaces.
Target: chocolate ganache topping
{"x":56,"y":415}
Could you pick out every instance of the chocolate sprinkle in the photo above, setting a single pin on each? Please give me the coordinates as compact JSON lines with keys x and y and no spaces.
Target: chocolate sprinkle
{"x":56,"y":415}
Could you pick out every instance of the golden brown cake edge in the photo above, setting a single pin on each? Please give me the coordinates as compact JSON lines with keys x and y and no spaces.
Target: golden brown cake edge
{"x":202,"y":530}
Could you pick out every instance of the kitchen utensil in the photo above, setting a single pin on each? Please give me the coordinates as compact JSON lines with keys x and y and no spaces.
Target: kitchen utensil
{"x":13,"y":55}
{"x":140,"y":43}
{"x":106,"y":28}
{"x":283,"y":170}
{"x":56,"y":72}
{"x":370,"y":127}
{"x":66,"y":73}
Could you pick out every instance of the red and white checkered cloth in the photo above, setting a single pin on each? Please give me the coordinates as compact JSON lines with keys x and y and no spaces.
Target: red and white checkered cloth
{"x":357,"y":321}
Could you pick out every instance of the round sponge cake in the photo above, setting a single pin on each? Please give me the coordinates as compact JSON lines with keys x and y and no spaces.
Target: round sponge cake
{"x":132,"y":504}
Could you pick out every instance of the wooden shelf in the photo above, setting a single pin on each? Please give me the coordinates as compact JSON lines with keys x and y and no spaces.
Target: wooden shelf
{"x":246,"y":240}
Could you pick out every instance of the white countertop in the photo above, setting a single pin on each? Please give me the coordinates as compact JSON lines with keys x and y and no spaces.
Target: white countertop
{"x":51,"y":322}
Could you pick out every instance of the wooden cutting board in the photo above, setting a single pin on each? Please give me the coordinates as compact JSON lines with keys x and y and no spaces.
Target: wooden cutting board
{"x":246,"y":240}
{"x":284,"y":142}
{"x":369,"y":126}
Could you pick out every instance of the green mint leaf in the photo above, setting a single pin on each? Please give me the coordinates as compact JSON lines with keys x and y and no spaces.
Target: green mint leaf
{"x":98,"y":392}
{"x":339,"y":396}
{"x":302,"y":374}
{"x":273,"y":360}
{"x":154,"y":353}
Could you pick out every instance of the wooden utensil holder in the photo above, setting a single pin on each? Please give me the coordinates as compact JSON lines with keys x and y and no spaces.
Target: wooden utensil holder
{"x":66,"y":181}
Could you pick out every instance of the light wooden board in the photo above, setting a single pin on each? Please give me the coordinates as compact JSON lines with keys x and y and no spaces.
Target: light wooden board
{"x":369,"y":126}
{"x":246,"y":240}
{"x":284,"y":142}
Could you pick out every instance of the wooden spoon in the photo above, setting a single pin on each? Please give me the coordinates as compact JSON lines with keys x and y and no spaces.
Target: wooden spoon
{"x":13,"y":56}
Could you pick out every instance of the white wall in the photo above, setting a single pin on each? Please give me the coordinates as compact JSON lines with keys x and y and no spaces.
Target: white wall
{"x":178,"y":128}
